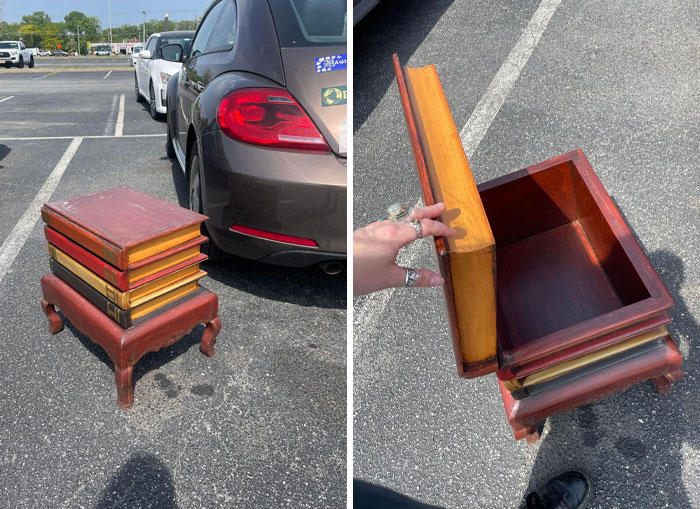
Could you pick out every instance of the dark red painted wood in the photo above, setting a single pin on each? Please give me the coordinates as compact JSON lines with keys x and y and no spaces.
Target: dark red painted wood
{"x":554,"y":301}
{"x":126,"y":346}
{"x":111,"y":221}
{"x":523,"y":415}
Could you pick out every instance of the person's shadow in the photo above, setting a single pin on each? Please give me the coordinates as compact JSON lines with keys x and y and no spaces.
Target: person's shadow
{"x":143,"y":481}
{"x":631,"y":444}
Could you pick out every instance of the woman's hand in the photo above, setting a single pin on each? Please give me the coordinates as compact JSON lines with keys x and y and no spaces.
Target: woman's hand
{"x":376,"y":246}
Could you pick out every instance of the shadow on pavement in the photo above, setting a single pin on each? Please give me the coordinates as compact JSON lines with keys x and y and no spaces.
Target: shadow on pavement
{"x":143,"y":481}
{"x":394,"y":26}
{"x":645,"y":469}
{"x":4,"y":151}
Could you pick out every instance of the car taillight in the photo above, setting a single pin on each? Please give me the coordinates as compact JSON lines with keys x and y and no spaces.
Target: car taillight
{"x":270,"y":117}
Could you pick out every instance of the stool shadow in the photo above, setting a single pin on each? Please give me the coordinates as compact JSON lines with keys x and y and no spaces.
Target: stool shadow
{"x":152,"y":361}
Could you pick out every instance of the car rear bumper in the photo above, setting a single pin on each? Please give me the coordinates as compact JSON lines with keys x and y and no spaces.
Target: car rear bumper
{"x":297,"y":194}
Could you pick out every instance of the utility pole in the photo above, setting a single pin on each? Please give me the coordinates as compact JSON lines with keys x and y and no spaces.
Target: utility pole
{"x":78,"y":40}
{"x":144,"y":26}
{"x":109,"y":7}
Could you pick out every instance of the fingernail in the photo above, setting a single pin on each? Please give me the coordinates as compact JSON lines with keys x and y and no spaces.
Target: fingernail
{"x":436,"y":280}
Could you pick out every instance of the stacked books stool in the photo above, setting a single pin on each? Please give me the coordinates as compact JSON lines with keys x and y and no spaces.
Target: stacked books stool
{"x":125,"y":273}
{"x":545,"y":285}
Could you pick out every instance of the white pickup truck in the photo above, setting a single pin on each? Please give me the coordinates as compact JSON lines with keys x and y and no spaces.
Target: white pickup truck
{"x":16,"y":53}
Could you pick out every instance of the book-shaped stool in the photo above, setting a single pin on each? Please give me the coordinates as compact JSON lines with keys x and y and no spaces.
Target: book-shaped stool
{"x":545,"y":285}
{"x":126,"y":346}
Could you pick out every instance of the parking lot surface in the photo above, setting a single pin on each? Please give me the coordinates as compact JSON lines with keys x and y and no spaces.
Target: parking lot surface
{"x":87,"y":62}
{"x":260,"y":424}
{"x":617,"y":81}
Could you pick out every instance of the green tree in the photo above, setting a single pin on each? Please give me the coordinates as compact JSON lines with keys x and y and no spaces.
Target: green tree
{"x":88,"y":24}
{"x":28,"y":33}
{"x":51,"y":36}
{"x":9,"y":31}
{"x":38,"y":18}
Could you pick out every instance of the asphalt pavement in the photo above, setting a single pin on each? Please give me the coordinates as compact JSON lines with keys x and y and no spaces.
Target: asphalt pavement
{"x":87,"y":62}
{"x":615,"y":80}
{"x":260,"y":424}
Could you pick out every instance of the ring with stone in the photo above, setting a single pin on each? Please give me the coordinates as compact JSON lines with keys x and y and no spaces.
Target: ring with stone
{"x":416,"y":224}
{"x":411,"y":277}
{"x":397,"y":212}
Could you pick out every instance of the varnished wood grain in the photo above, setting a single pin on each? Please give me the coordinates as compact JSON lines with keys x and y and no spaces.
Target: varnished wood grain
{"x":446,"y":177}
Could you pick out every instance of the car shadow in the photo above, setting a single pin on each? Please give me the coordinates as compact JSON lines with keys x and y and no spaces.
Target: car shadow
{"x":392,"y":27}
{"x":4,"y":151}
{"x":306,"y":286}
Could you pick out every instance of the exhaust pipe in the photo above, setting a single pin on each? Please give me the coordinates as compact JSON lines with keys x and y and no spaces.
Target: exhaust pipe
{"x":332,"y":267}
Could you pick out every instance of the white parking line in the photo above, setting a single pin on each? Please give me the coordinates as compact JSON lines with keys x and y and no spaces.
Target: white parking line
{"x":107,"y":75}
{"x":89,"y":137}
{"x":367,"y":316}
{"x":505,"y":78}
{"x":44,"y":76}
{"x":19,"y":234}
{"x":112,"y":116}
{"x":119,"y":127}
{"x":6,"y":98}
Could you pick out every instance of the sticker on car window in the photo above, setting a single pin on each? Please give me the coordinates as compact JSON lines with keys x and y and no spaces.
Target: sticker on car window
{"x":332,"y":63}
{"x":333,"y":96}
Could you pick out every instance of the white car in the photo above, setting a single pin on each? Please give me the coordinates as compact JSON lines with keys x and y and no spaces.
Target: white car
{"x":135,"y":55}
{"x":44,"y":53}
{"x":152,"y":72}
{"x":16,"y":53}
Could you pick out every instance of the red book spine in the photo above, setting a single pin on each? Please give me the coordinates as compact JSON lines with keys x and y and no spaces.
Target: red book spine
{"x":110,"y":274}
{"x":100,"y":247}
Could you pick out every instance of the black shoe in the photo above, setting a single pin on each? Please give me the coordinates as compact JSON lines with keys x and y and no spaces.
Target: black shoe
{"x":565,"y":491}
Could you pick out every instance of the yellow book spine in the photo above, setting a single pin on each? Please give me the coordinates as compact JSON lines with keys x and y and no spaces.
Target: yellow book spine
{"x":162,"y":282}
{"x":162,"y":243}
{"x":169,"y":261}
{"x":163,"y":291}
{"x":154,"y":304}
{"x":121,"y":299}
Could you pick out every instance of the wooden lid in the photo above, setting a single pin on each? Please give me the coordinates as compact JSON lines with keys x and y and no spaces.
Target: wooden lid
{"x":467,"y":260}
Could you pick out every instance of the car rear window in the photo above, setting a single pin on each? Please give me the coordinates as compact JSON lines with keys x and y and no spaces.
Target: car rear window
{"x":182,"y":40}
{"x":310,"y":22}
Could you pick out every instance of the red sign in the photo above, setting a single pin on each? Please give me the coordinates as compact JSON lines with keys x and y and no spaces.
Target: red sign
{"x":59,"y":46}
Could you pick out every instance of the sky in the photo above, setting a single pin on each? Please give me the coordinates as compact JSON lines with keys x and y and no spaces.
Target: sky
{"x":123,"y":11}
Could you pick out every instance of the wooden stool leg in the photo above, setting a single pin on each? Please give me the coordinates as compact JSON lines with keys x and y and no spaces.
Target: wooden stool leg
{"x":529,"y":433}
{"x":125,"y":391}
{"x":55,"y":323}
{"x":662,"y":384}
{"x":209,"y":337}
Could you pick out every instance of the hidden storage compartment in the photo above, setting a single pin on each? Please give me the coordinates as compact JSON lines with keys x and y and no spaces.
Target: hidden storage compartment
{"x":559,"y":261}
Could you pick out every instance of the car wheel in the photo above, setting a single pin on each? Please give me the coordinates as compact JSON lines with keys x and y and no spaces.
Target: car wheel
{"x":152,"y":103}
{"x":8,"y":64}
{"x":136,"y":89}
{"x":31,"y":62}
{"x":20,"y":64}
{"x":194,"y":201}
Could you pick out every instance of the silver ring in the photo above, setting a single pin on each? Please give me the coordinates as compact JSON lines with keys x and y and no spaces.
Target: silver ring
{"x":411,"y":277}
{"x":416,"y":224}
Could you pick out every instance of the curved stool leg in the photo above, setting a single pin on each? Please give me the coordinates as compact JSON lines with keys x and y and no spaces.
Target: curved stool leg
{"x":209,"y":337}
{"x":125,"y":391}
{"x":55,"y":323}
{"x":662,"y":384}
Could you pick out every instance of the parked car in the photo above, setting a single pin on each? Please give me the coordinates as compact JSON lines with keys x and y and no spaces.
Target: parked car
{"x":152,"y":72}
{"x":16,"y":53}
{"x":257,"y":121}
{"x":135,"y":55}
{"x":44,"y":53}
{"x":59,"y":53}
